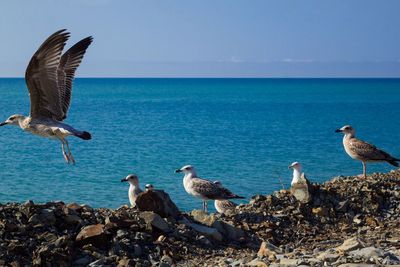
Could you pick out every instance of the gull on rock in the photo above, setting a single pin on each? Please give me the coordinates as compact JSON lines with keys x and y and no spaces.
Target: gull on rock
{"x":134,"y":188}
{"x":298,"y":175}
{"x":223,"y":206}
{"x":363,"y":151}
{"x":301,"y":187}
{"x":203,"y":189}
{"x":49,"y":78}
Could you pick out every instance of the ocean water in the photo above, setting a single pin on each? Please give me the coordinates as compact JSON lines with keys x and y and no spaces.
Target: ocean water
{"x":243,"y":132}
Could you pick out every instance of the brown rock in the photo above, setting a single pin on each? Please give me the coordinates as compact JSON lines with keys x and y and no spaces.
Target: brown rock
{"x":92,"y":234}
{"x":267,"y":249}
{"x":159,"y":202}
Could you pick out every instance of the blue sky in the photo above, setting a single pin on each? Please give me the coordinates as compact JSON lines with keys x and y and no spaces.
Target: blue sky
{"x":218,"y":38}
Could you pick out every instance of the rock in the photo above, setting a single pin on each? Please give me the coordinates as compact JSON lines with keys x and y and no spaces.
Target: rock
{"x":125,"y":262}
{"x":320,"y":211}
{"x":84,"y":261}
{"x":92,"y":234}
{"x":257,"y":263}
{"x":349,"y":245}
{"x":288,"y":262}
{"x":357,"y":265}
{"x":328,"y":256}
{"x":267,"y":249}
{"x":205,"y":230}
{"x":153,"y":220}
{"x":158,"y":202}
{"x":228,"y":230}
{"x":166,"y":261}
{"x":74,"y":206}
{"x":368,"y":252}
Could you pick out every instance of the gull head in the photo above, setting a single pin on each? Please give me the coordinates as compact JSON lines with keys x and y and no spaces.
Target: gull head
{"x":295,"y":165}
{"x":218,"y":183}
{"x":149,"y":187}
{"x":186,"y":170}
{"x":347,"y":129}
{"x":13,"y":120}
{"x":131,"y":179}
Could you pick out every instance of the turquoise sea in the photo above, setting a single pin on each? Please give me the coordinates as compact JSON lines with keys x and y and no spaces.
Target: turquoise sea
{"x":243,"y":132}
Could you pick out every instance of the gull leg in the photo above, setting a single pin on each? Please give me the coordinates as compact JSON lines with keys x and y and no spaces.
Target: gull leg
{"x":63,"y":151}
{"x":364,"y":170}
{"x":71,"y":158}
{"x":206,"y":206}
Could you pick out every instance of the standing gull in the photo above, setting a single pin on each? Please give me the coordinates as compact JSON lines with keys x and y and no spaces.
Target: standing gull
{"x":49,"y":78}
{"x":363,"y":151}
{"x":134,"y":189}
{"x":203,"y":189}
{"x":298,"y":176}
{"x":223,"y":206}
{"x":300,"y":186}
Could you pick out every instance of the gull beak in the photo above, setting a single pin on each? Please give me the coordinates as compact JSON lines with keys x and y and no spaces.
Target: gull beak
{"x":3,"y":123}
{"x":124,"y":180}
{"x":290,"y":166}
{"x":178,"y":170}
{"x":338,"y":131}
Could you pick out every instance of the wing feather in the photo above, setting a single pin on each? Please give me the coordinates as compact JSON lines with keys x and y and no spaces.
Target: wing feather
{"x":69,"y":62}
{"x":41,"y":77}
{"x":367,"y":151}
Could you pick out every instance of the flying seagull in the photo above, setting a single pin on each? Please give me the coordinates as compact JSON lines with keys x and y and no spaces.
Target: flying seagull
{"x":223,"y":206}
{"x":363,"y":151}
{"x":203,"y":189}
{"x":134,"y":189}
{"x":49,"y":78}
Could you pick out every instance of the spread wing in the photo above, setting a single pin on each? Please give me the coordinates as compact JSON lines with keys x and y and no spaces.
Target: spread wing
{"x":69,"y":62}
{"x":41,"y":78}
{"x":211,"y":190}
{"x":367,"y":151}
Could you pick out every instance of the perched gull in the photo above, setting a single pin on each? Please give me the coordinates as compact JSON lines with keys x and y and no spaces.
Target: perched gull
{"x":49,"y":78}
{"x":363,"y":151}
{"x":222,"y":206}
{"x":300,"y":186}
{"x":298,"y":176}
{"x":134,"y":189}
{"x":203,"y":189}
{"x":149,"y":187}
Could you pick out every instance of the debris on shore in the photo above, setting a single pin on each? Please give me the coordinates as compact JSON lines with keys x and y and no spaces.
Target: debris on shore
{"x":348,"y":220}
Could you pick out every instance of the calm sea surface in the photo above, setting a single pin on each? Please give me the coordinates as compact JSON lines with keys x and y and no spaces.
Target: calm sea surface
{"x":243,"y":132}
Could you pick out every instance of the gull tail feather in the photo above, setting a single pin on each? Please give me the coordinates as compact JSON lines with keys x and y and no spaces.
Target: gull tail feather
{"x":84,"y":135}
{"x":393,"y":161}
{"x":236,"y":196}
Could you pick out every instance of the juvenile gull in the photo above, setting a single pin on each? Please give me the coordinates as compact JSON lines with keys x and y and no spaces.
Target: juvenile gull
{"x":49,"y":78}
{"x":134,"y":189}
{"x":222,"y":206}
{"x":298,"y":176}
{"x":149,"y":187}
{"x":203,"y":189}
{"x":363,"y":151}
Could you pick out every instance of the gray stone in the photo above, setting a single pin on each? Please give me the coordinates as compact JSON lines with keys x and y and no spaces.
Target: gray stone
{"x":205,"y":230}
{"x":153,"y":220}
{"x":288,"y":262}
{"x":84,"y":261}
{"x":368,"y":252}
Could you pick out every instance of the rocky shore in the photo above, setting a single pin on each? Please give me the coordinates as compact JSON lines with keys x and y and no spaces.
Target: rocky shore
{"x":349,"y":222}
